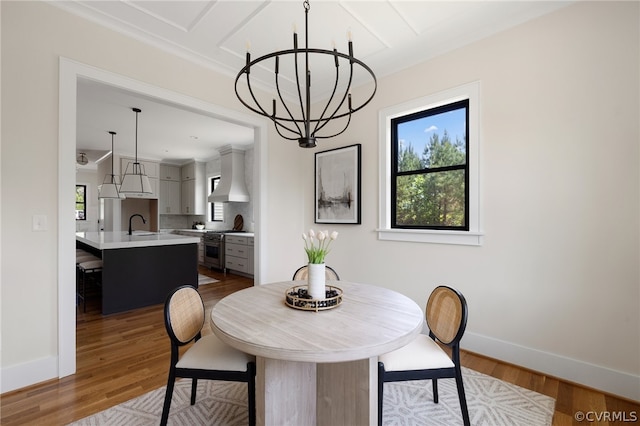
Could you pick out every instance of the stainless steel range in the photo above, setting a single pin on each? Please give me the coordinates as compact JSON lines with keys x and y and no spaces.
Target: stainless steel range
{"x":214,"y":250}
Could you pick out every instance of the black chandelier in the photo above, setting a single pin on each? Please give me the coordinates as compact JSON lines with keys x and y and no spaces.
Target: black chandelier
{"x":296,"y":122}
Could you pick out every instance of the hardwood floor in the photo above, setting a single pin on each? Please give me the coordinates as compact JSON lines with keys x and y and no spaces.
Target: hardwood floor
{"x":123,"y":356}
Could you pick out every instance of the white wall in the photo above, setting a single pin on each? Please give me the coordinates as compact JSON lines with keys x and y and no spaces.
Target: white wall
{"x":555,"y":285}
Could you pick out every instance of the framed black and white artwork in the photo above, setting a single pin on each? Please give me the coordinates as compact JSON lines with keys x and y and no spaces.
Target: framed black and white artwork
{"x":337,"y":181}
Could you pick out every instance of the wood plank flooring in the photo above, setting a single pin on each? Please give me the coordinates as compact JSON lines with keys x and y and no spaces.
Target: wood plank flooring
{"x":125,"y":355}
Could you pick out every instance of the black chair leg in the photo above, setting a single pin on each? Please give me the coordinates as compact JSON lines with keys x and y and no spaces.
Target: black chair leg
{"x":84,"y":291}
{"x":380,"y":391}
{"x":462,"y":397}
{"x":167,"y":399}
{"x":194,"y":385}
{"x":435,"y":390}
{"x":251,"y":391}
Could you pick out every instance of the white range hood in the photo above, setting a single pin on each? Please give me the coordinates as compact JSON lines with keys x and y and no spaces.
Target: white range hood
{"x":232,"y":187}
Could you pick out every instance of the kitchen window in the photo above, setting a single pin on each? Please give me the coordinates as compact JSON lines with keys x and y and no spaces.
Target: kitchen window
{"x":429,"y":161}
{"x":216,"y":213}
{"x":81,"y":202}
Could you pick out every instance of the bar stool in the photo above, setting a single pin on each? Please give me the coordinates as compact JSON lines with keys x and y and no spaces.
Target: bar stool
{"x":82,"y":256}
{"x":93,"y":267}
{"x":86,"y":257}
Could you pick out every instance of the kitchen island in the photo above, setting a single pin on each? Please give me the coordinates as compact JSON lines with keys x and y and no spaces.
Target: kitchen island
{"x":141,"y":269}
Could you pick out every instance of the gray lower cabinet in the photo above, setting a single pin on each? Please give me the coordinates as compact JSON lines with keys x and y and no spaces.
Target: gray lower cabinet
{"x":250,"y":258}
{"x":239,"y":254}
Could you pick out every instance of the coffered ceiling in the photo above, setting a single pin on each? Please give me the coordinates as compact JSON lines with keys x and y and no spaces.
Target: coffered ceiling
{"x":388,"y":35}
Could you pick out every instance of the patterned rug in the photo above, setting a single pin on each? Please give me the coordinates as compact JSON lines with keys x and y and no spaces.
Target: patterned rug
{"x":203,"y":279}
{"x":491,"y":402}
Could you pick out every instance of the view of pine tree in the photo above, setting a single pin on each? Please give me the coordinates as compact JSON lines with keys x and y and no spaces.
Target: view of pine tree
{"x":433,"y":194}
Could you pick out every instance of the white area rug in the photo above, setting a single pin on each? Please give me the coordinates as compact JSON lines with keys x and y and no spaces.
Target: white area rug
{"x":203,"y":279}
{"x":491,"y":402}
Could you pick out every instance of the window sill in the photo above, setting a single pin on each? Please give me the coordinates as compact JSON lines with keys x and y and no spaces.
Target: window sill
{"x":466,"y":238}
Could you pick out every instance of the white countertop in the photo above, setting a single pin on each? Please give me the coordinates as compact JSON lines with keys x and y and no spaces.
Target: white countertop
{"x":240,"y":234}
{"x":116,"y":240}
{"x":204,"y":231}
{"x":191,"y":231}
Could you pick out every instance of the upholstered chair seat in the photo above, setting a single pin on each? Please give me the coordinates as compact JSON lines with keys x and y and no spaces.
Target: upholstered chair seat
{"x":210,"y":353}
{"x":423,"y":353}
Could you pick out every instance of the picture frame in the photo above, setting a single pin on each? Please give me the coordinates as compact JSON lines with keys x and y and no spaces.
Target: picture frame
{"x":338,"y":185}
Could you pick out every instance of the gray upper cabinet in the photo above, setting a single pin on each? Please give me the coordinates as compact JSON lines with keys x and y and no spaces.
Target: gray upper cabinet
{"x":193,"y":189}
{"x":169,"y":172}
{"x":170,"y":198}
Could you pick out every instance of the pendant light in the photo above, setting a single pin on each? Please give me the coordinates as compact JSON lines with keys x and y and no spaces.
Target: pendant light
{"x":110,"y":188}
{"x":134,"y":179}
{"x":82,"y":159}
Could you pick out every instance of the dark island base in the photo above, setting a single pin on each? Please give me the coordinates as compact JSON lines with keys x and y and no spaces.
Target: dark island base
{"x":137,"y":277}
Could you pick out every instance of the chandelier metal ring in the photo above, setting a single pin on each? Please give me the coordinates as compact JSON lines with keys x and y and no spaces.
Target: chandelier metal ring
{"x":295,"y":122}
{"x":261,"y":111}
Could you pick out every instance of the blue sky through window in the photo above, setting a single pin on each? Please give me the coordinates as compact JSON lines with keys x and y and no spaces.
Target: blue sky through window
{"x":418,"y":132}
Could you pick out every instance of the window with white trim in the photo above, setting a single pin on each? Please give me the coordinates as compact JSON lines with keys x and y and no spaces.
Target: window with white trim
{"x":429,"y":169}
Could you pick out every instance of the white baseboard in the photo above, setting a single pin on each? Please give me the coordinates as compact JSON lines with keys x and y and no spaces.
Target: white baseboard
{"x":604,"y":379}
{"x":21,"y":375}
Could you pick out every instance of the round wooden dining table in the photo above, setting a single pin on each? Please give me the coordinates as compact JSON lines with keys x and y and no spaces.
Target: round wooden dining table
{"x":316,"y":368}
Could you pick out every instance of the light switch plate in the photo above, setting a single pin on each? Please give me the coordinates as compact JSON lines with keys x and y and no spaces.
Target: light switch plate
{"x":39,"y":222}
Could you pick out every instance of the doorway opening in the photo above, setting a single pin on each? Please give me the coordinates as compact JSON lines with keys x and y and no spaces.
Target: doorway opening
{"x":70,"y":73}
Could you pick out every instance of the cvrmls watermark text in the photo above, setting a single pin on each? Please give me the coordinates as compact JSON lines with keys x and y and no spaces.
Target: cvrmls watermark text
{"x":606,"y":416}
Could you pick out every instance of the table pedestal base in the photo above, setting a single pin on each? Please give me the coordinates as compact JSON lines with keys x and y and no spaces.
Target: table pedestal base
{"x":309,"y":394}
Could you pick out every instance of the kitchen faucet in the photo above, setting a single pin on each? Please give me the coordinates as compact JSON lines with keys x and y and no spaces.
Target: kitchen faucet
{"x":131,"y":217}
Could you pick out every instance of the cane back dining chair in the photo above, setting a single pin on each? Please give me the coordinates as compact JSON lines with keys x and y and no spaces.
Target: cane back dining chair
{"x":302,"y":273}
{"x":208,"y":358}
{"x":423,"y":358}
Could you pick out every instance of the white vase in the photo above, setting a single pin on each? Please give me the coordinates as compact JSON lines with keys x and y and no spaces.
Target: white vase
{"x":316,"y":280}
